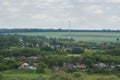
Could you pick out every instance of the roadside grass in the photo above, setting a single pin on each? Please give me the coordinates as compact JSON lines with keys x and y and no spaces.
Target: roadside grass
{"x":101,"y":77}
{"x":12,"y":75}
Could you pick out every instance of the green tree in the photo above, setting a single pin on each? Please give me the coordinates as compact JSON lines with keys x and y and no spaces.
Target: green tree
{"x":77,"y":50}
{"x":1,"y":76}
{"x":12,"y":64}
{"x":46,"y":48}
{"x":3,"y":67}
{"x":117,"y":39}
{"x":1,"y":58}
{"x":41,"y":67}
{"x":61,"y":76}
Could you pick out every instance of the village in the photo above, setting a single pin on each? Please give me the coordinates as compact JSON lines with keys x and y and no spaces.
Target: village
{"x":41,"y":55}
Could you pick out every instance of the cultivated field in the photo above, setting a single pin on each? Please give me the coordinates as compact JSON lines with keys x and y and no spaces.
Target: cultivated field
{"x":79,"y":36}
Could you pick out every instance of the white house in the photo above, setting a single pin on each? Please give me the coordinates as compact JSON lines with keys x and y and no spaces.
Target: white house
{"x":27,"y":66}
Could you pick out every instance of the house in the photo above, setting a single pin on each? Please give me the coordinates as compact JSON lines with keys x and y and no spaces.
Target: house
{"x":22,"y":57}
{"x":46,"y":44}
{"x":68,"y":66}
{"x":9,"y":58}
{"x":32,"y":67}
{"x":56,"y":68}
{"x":24,"y":66}
{"x":27,"y":66}
{"x":35,"y":57}
{"x":117,"y":65}
{"x":112,"y":67}
{"x":81,"y":66}
{"x":101,"y":65}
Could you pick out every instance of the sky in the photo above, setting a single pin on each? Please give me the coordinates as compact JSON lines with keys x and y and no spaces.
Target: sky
{"x":54,"y":14}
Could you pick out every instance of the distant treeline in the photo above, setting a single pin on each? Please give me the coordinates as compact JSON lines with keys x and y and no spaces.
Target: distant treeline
{"x":51,"y":30}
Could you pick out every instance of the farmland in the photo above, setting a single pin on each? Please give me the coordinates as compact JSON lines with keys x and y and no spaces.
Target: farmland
{"x":78,"y":36}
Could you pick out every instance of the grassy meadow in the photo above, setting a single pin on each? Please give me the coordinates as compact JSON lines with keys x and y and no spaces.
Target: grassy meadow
{"x":78,"y":36}
{"x":11,"y":75}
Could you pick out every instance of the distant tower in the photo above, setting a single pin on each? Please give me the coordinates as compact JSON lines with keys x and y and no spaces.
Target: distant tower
{"x":69,"y":30}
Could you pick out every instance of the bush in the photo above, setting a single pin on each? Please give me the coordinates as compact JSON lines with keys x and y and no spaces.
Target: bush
{"x":77,"y":75}
{"x":3,"y":67}
{"x":26,"y":71}
{"x":48,"y":71}
{"x":77,"y":51}
{"x":60,"y":76}
{"x":41,"y":78}
{"x":41,"y":67}
{"x":1,"y":76}
{"x":108,"y":78}
{"x":71,"y":70}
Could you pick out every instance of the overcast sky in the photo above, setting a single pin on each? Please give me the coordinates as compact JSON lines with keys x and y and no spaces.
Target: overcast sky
{"x":83,"y":14}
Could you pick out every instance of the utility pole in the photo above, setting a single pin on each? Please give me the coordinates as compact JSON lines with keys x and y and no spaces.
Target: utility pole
{"x":69,"y":31}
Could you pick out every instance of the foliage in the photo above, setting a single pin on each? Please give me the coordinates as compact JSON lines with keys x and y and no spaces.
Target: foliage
{"x":1,"y":76}
{"x":19,"y":52}
{"x":52,"y":52}
{"x":113,"y":52}
{"x":1,"y":58}
{"x":12,"y":64}
{"x":3,"y":67}
{"x":13,"y":75}
{"x":41,"y":67}
{"x":71,"y":70}
{"x":78,"y":75}
{"x":46,"y":48}
{"x":8,"y":64}
{"x":77,"y":50}
{"x":61,"y":76}
{"x":108,"y":78}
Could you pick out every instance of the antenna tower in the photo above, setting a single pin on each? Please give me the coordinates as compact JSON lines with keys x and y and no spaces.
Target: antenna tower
{"x":69,"y":31}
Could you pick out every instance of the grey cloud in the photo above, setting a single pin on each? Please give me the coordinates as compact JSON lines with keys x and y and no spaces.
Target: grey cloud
{"x":84,"y":14}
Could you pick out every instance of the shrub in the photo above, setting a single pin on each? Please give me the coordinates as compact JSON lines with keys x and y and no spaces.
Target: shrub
{"x":60,"y":76}
{"x":108,"y":78}
{"x":1,"y":76}
{"x":41,"y":67}
{"x":77,"y":74}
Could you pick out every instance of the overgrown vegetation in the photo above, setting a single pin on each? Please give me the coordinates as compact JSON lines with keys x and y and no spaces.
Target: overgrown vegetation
{"x":47,"y":58}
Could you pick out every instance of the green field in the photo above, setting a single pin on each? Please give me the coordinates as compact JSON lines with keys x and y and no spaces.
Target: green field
{"x":79,"y":36}
{"x":11,"y":75}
